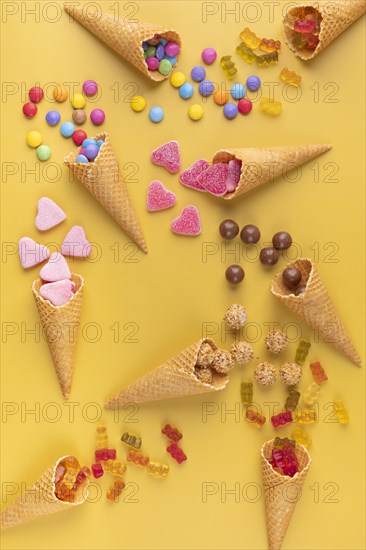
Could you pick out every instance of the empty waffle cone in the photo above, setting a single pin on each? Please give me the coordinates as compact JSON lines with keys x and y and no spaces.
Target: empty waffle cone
{"x":60,"y":326}
{"x":281,"y":493}
{"x":263,"y":164}
{"x":336,"y":17}
{"x":123,"y":36}
{"x":315,"y":306}
{"x":39,"y":500}
{"x":103,"y":179}
{"x":174,"y":378}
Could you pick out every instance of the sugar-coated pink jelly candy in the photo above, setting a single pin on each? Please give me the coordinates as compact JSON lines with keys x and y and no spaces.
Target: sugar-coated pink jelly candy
{"x":31,"y":253}
{"x":233,"y":175}
{"x":214,"y":179}
{"x":167,"y":155}
{"x":189,"y":176}
{"x":49,"y":214}
{"x":188,"y":223}
{"x":159,"y":197}
{"x":76,"y":244}
{"x":58,"y":293}
{"x":55,"y":269}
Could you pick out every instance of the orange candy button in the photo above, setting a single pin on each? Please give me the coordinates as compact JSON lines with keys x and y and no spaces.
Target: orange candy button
{"x":221,"y":97}
{"x":60,"y":94}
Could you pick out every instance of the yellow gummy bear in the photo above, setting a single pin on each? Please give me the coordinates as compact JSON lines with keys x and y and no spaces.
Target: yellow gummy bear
{"x":250,"y":38}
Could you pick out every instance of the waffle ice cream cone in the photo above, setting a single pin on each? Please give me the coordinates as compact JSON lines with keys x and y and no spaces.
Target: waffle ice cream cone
{"x":315,"y":306}
{"x":174,"y":378}
{"x":123,"y":36}
{"x":103,"y":179}
{"x":337,"y":16}
{"x":281,"y":493}
{"x":263,"y":164}
{"x":39,"y":500}
{"x":60,"y":327}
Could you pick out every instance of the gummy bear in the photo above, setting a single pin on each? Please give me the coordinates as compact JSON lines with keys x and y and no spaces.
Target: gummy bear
{"x":267,"y":59}
{"x":176,"y":452}
{"x":270,"y":106}
{"x":97,"y":470}
{"x":158,"y":470}
{"x":171,"y":433}
{"x":228,"y":66}
{"x":302,"y":348}
{"x":115,"y":490}
{"x":131,"y":440}
{"x":281,"y":419}
{"x":269,"y":45}
{"x":246,"y":392}
{"x":114,"y":467}
{"x":138,"y":458}
{"x":250,"y":38}
{"x":292,"y":400}
{"x":281,"y":442}
{"x":300,"y":436}
{"x":311,"y":394}
{"x":102,"y":437}
{"x":105,"y":454}
{"x":341,"y":412}
{"x":305,"y":416}
{"x":304,"y":25}
{"x":246,"y":53}
{"x":255,"y":417}
{"x":291,"y":78}
{"x":318,"y":373}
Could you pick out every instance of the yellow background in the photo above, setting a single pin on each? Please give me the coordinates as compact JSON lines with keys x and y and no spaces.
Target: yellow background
{"x":172,"y":292}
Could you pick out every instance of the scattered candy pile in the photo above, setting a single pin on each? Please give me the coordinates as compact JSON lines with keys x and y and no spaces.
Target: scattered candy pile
{"x":160,"y":55}
{"x":284,"y":460}
{"x":67,"y":129}
{"x":57,"y":286}
{"x":89,"y":150}
{"x":70,"y":478}
{"x":305,"y":26}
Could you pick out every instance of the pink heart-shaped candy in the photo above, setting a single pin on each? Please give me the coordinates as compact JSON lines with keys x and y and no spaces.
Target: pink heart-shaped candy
{"x":159,"y":197}
{"x":76,"y":244}
{"x":31,"y":253}
{"x":214,"y":179}
{"x":188,"y":223}
{"x":49,"y":214}
{"x":233,"y":175}
{"x":58,"y":293}
{"x":167,"y":155}
{"x":55,"y":269}
{"x":189,"y":176}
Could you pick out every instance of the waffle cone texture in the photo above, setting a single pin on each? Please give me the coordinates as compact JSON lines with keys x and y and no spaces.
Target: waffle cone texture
{"x":337,"y":16}
{"x":316,"y":308}
{"x":174,"y":378}
{"x":281,"y":493}
{"x":39,"y":500}
{"x":123,"y":36}
{"x":60,"y":326}
{"x":261,"y":165}
{"x":103,"y":179}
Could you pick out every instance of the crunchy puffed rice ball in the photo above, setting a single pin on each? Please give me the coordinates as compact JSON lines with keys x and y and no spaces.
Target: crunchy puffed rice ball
{"x":203,"y":374}
{"x":290,"y":373}
{"x":242,"y":352}
{"x":265,"y":374}
{"x":205,"y":355}
{"x":276,"y":341}
{"x":223,"y":362}
{"x":235,"y":316}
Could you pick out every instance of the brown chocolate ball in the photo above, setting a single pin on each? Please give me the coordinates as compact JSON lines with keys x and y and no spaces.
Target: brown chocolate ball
{"x":268,"y":256}
{"x":234,"y":274}
{"x":282,"y":240}
{"x":79,"y":116}
{"x":299,"y":290}
{"x":250,"y":234}
{"x":291,"y":277}
{"x":228,"y":229}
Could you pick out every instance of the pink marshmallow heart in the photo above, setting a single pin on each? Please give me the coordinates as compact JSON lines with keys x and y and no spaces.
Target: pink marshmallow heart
{"x":58,"y":293}
{"x":188,"y":223}
{"x":49,"y":214}
{"x":55,"y":269}
{"x":31,"y":253}
{"x":76,"y":244}
{"x":159,"y":197}
{"x":214,"y":179}
{"x":167,"y":155}
{"x":233,"y":175}
{"x":189,"y":176}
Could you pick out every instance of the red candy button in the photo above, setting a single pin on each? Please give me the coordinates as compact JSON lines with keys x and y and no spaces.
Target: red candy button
{"x":78,"y":136}
{"x":29,"y":110}
{"x":36,"y":94}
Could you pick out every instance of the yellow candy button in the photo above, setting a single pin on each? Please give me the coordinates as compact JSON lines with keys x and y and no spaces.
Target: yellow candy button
{"x":138,"y":103}
{"x":177,"y":79}
{"x":195,"y":112}
{"x":34,"y":139}
{"x":78,"y":101}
